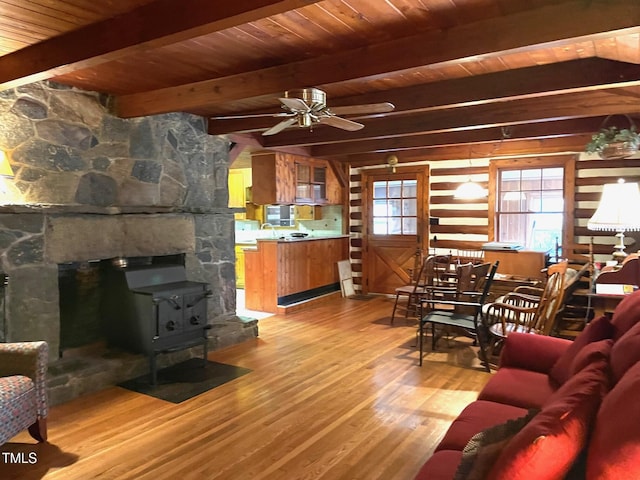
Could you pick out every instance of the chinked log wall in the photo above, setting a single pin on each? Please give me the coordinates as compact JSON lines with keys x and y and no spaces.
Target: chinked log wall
{"x":463,"y":224}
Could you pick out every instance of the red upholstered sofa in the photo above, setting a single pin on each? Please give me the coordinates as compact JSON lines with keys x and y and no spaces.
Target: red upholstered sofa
{"x":555,"y":409}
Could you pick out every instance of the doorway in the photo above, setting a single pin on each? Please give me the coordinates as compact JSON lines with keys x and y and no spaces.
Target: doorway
{"x":395,"y":210}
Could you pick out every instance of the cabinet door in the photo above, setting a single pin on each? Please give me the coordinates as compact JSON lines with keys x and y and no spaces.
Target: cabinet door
{"x":273,"y":178}
{"x":239,"y":267}
{"x":311,"y":185}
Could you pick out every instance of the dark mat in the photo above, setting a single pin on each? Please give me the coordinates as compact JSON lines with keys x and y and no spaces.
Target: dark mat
{"x":185,"y":380}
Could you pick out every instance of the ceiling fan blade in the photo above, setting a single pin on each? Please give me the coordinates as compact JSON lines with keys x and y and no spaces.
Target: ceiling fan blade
{"x":280,"y":126}
{"x":295,"y":104}
{"x":254,"y":115}
{"x":342,"y":123}
{"x":368,"y":108}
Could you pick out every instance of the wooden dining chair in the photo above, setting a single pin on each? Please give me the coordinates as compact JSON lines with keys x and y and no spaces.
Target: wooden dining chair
{"x":463,"y":314}
{"x":526,"y":310}
{"x":429,"y":274}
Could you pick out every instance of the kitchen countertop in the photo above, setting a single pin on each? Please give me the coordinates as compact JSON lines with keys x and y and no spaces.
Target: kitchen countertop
{"x":303,"y":239}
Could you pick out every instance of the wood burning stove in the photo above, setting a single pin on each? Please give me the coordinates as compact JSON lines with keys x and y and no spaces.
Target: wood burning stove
{"x":154,"y":309}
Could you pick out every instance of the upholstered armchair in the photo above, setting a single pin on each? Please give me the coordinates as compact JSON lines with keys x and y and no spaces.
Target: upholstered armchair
{"x":23,"y":389}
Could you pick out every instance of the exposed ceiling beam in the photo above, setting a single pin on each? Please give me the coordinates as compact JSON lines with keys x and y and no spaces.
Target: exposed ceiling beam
{"x":508,"y":148}
{"x":551,"y":26}
{"x":573,"y":105}
{"x":492,"y":134}
{"x":573,"y":76}
{"x":155,"y":24}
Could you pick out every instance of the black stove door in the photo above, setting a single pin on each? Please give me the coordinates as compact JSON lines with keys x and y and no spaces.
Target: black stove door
{"x":170,"y":315}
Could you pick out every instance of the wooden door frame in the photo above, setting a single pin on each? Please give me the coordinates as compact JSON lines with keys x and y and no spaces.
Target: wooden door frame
{"x":422,"y":174}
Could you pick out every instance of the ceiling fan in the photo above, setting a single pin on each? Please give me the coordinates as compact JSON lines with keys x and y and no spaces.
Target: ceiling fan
{"x":308,"y":106}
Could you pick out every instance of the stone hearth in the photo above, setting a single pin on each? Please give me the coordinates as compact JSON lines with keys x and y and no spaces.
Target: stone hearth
{"x":92,"y":186}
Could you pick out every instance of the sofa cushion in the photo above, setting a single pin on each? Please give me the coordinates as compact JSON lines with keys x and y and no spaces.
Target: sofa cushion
{"x":598,"y":329}
{"x":477,"y":416}
{"x":548,"y":445}
{"x":517,"y":387}
{"x":625,"y":352}
{"x":614,"y":448}
{"x":626,"y":314}
{"x":537,"y":353}
{"x":593,"y":352}
{"x":441,"y":466}
{"x":483,"y":449}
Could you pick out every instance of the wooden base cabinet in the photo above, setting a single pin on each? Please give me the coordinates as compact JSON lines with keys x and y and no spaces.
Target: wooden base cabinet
{"x":286,"y":269}
{"x":522,"y":263}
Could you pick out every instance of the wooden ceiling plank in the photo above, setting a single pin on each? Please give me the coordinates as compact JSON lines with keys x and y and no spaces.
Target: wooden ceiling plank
{"x":544,"y":27}
{"x":577,"y":75}
{"x":493,"y":134}
{"x":558,"y":107}
{"x":508,"y":149}
{"x":156,"y":24}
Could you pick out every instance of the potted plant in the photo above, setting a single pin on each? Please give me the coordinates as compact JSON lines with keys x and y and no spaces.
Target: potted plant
{"x":613,"y":142}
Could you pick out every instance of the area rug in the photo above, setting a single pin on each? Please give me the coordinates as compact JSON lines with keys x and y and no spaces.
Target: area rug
{"x":185,"y":380}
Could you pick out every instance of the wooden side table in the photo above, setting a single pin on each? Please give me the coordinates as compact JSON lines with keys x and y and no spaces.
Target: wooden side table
{"x":601,"y":303}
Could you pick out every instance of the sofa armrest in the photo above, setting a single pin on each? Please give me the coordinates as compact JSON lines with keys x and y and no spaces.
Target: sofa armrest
{"x":31,"y":360}
{"x":528,"y":351}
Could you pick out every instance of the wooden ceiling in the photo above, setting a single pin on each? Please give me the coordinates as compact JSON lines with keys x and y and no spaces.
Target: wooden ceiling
{"x":469,"y":78}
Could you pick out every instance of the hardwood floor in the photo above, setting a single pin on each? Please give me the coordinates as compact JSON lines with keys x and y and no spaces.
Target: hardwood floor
{"x":335,"y":392}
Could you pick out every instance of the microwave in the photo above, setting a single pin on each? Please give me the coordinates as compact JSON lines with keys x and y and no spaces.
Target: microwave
{"x":280,"y":215}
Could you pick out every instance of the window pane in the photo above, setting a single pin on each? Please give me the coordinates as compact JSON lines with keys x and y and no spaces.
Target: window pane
{"x":379,"y":189}
{"x":380,"y":226}
{"x":395,"y":207}
{"x":410,"y":188}
{"x":380,"y":208}
{"x":552,"y":202}
{"x":552,"y":179}
{"x":395,"y":226}
{"x":546,"y":229}
{"x":395,"y":189}
{"x":410,"y":226}
{"x":410,"y":207}
{"x":510,"y":180}
{"x":512,"y":201}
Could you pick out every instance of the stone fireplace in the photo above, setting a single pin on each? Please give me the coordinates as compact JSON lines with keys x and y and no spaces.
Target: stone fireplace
{"x":90,"y":186}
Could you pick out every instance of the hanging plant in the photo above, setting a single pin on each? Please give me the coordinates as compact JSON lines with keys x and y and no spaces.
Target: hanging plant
{"x":613,"y":142}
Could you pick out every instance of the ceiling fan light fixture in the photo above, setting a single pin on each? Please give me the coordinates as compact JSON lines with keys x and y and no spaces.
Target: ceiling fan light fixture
{"x":304,"y":120}
{"x":469,"y":190}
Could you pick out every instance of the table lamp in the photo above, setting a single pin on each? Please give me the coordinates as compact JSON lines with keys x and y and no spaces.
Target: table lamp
{"x":619,"y":211}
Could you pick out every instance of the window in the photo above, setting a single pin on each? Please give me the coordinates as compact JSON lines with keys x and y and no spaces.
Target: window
{"x":530,"y":207}
{"x":395,"y":207}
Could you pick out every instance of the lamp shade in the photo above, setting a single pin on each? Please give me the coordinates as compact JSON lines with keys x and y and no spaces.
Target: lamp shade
{"x":469,"y":191}
{"x":619,"y":208}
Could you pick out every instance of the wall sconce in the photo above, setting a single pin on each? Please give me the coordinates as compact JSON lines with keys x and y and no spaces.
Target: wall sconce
{"x":392,"y":161}
{"x":618,"y":211}
{"x":5,"y":166}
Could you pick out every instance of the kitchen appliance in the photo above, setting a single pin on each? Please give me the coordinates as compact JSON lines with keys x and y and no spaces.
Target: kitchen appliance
{"x":280,"y":215}
{"x":154,"y":309}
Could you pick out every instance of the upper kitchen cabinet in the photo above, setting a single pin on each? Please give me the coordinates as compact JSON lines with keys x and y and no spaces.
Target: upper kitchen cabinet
{"x":282,"y":178}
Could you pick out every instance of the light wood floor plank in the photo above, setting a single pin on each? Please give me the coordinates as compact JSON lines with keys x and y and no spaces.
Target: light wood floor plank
{"x":335,"y":393}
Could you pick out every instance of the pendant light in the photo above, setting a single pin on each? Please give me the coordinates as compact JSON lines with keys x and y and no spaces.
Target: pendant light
{"x":470,"y":190}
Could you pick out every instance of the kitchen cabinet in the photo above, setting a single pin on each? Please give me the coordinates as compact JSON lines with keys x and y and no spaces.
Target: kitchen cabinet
{"x":282,"y":272}
{"x":240,"y":265}
{"x":282,"y":178}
